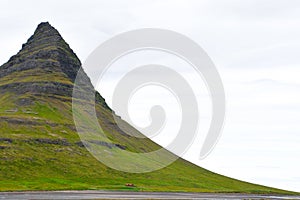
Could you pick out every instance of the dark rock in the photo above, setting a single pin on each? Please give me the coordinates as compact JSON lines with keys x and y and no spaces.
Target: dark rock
{"x":120,"y":146}
{"x":24,"y":121}
{"x":80,"y":144}
{"x":62,"y":142}
{"x":8,"y":140}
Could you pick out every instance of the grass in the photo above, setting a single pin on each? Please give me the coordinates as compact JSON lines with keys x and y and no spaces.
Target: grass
{"x":28,"y":165}
{"x":34,"y":75}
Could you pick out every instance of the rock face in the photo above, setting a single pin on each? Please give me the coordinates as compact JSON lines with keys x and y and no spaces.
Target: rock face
{"x":47,"y":51}
{"x":45,"y":65}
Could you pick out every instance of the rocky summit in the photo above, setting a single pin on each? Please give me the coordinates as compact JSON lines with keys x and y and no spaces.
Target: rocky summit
{"x":45,"y":56}
{"x":40,"y":148}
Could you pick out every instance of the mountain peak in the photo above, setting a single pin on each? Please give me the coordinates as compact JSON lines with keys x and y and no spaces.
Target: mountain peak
{"x":45,"y":26}
{"x":45,"y":63}
{"x":47,"y":37}
{"x":45,"y":30}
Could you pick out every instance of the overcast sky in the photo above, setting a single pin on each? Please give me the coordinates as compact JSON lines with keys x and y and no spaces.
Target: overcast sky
{"x":255,"y":45}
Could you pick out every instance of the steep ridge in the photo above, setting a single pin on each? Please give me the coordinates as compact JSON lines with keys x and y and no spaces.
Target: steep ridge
{"x":39,"y":146}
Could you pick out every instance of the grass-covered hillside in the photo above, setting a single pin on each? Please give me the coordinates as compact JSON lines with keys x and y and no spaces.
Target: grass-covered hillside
{"x":40,"y":148}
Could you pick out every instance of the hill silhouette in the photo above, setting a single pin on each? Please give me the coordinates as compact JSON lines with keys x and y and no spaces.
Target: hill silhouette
{"x":40,"y":148}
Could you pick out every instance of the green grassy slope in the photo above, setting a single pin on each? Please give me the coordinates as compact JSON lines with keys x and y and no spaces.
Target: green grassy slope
{"x":41,"y":150}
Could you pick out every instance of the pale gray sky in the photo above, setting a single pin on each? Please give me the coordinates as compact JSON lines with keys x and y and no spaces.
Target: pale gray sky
{"x":254,"y":44}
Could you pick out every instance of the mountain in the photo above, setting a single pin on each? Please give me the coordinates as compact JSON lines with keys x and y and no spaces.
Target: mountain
{"x":40,"y":148}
